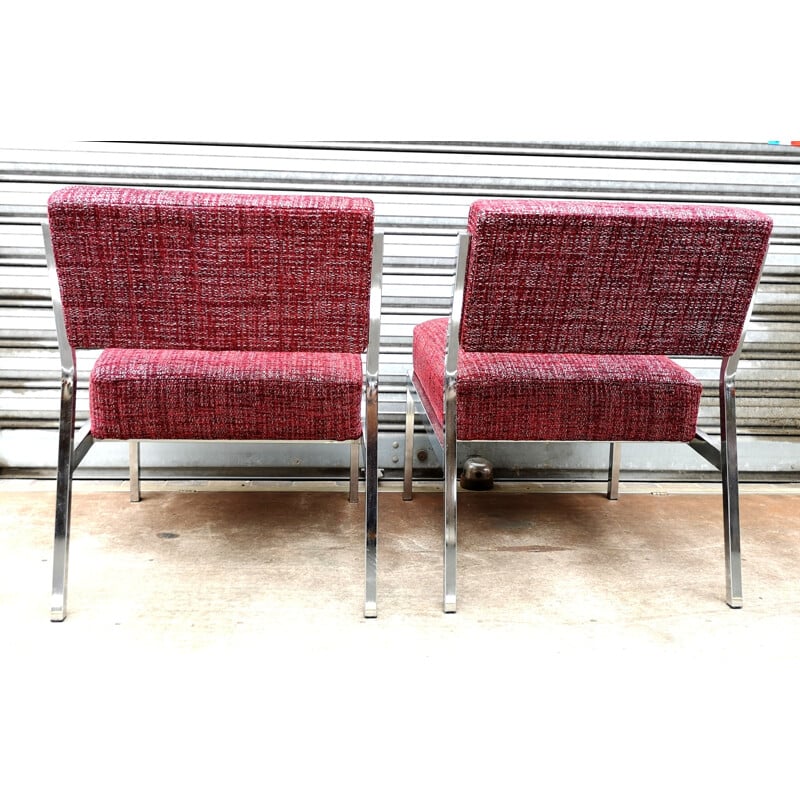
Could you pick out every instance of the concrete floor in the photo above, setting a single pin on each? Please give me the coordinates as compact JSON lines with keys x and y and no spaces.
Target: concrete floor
{"x":215,"y":637}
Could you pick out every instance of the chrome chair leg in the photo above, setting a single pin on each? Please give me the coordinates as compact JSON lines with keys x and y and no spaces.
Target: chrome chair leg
{"x":133,"y":460}
{"x":371,"y":498}
{"x":730,"y":488}
{"x":371,"y":512}
{"x":371,"y":526}
{"x":371,"y":433}
{"x":408,"y":466}
{"x":450,"y":436}
{"x":66,"y":439}
{"x":450,"y":500}
{"x":354,"y":448}
{"x":613,"y":470}
{"x":450,"y":529}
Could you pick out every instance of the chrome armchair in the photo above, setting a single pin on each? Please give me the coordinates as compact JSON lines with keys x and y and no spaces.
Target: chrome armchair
{"x":563,"y":315}
{"x":220,"y":317}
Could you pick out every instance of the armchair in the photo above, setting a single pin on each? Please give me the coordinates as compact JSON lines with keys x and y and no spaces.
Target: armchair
{"x":563,"y":320}
{"x":220,"y":317}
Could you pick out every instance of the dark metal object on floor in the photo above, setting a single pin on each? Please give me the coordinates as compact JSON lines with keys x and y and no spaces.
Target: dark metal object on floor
{"x":478,"y":474}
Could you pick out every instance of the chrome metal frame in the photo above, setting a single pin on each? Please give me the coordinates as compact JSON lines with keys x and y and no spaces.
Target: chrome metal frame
{"x":134,"y":451}
{"x":450,"y":433}
{"x":371,"y":431}
{"x":73,"y":447}
{"x":408,"y":460}
{"x":614,"y":458}
{"x":354,"y":455}
{"x":723,"y":457}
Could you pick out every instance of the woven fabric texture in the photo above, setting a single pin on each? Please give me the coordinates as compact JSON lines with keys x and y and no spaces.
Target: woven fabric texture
{"x":558,"y":397}
{"x":599,"y":277}
{"x":179,"y":269}
{"x":188,"y":394}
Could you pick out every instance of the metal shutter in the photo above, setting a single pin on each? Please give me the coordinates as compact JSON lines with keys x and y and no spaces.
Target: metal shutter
{"x":421,"y":192}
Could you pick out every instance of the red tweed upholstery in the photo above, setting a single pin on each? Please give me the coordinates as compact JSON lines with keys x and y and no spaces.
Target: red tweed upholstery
{"x":178,"y":269}
{"x":591,"y":277}
{"x":224,"y":316}
{"x":190,"y":394}
{"x":563,"y":397}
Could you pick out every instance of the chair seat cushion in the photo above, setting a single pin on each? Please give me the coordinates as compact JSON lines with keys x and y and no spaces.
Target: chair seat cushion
{"x":557,"y":397}
{"x":198,"y":394}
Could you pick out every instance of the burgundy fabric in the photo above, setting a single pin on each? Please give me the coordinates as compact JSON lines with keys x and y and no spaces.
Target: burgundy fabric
{"x":180,"y":269}
{"x":596,"y":277}
{"x":557,"y":397}
{"x":189,"y":394}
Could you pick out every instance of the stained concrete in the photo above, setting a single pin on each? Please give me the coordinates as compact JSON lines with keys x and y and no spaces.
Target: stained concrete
{"x":200,"y":613}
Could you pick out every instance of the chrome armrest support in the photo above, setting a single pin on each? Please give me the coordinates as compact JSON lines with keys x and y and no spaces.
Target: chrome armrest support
{"x":83,"y":443}
{"x":703,"y":445}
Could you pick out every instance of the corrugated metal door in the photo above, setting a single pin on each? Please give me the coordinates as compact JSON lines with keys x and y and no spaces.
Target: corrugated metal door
{"x":422,"y":192}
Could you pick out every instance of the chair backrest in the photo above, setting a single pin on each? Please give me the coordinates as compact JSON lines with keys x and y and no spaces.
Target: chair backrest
{"x":193,"y":270}
{"x":604,"y":277}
